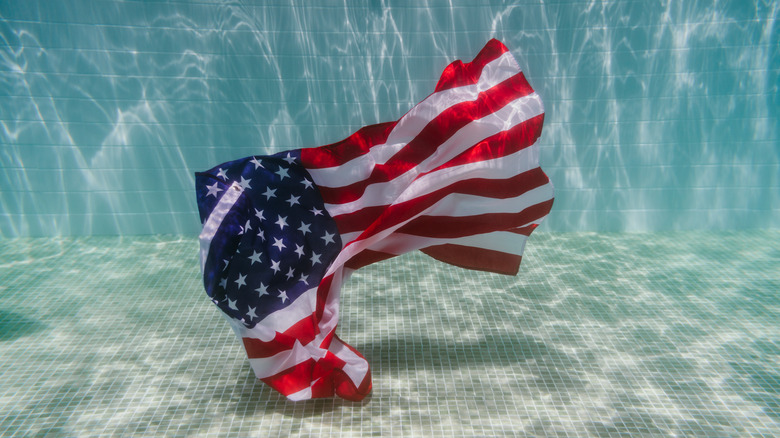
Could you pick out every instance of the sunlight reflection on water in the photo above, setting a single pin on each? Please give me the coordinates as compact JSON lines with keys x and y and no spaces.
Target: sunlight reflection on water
{"x":659,"y":116}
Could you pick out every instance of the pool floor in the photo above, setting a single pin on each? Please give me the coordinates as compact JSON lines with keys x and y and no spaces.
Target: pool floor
{"x":664,"y":334}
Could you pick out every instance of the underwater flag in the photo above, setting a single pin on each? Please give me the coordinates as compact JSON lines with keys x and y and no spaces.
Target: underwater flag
{"x":456,"y":177}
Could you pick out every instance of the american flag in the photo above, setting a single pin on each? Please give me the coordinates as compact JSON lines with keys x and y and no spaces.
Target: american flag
{"x":456,"y":177}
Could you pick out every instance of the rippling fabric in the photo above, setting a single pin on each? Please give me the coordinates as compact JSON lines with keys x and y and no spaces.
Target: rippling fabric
{"x":456,"y":177}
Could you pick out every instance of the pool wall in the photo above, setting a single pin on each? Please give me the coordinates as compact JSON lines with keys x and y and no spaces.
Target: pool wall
{"x":659,"y":115}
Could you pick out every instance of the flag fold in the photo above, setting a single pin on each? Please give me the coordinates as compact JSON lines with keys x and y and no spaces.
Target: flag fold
{"x":456,"y":177}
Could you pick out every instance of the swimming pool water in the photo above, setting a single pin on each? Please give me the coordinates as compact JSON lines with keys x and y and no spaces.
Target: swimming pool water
{"x":646,"y":304}
{"x":659,"y":115}
{"x":600,"y":335}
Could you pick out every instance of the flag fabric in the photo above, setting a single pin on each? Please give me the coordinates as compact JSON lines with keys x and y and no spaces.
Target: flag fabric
{"x":456,"y":177}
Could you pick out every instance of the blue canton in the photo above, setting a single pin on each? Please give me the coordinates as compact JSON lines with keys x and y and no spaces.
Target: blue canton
{"x":276,"y":242}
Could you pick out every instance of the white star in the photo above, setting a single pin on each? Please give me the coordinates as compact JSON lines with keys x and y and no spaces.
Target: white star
{"x":316,"y":211}
{"x":269,"y":193}
{"x":307,"y":183}
{"x":293,"y":200}
{"x":275,"y":266}
{"x":282,"y":172}
{"x":290,"y":273}
{"x":259,"y":214}
{"x":226,"y":264}
{"x":315,"y":258}
{"x":283,"y":295}
{"x":328,"y":238}
{"x":304,"y":228}
{"x":232,"y":304}
{"x":261,"y":235}
{"x":213,"y":190}
{"x":256,"y":163}
{"x":262,"y":290}
{"x":255,"y":257}
{"x":282,"y":222}
{"x":278,"y":243}
{"x":289,"y":159}
{"x":222,"y":174}
{"x":299,"y":250}
{"x":305,"y":279}
{"x":245,"y":183}
{"x":240,"y":282}
{"x":223,"y":283}
{"x":251,"y":314}
{"x":245,"y":228}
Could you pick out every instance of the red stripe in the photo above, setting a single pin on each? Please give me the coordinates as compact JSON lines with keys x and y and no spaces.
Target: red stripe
{"x":359,"y":219}
{"x":525,"y":231}
{"x":330,"y":377}
{"x":322,"y":388}
{"x":444,"y":227}
{"x":293,"y":379}
{"x":345,"y":388}
{"x":458,"y":255}
{"x":438,"y":130}
{"x":326,"y":365}
{"x":304,"y":331}
{"x":367,"y":257}
{"x":323,"y":290}
{"x":377,"y":220}
{"x":480,"y":259}
{"x":468,"y":257}
{"x":325,"y":377}
{"x":459,"y":74}
{"x":501,"y":144}
{"x":345,"y":150}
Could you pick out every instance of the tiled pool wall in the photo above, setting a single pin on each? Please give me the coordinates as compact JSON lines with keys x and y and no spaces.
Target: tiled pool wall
{"x":659,"y":115}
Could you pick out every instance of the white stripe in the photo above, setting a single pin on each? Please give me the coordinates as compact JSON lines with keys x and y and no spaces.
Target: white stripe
{"x":471,"y":134}
{"x":459,"y":205}
{"x":330,"y":314}
{"x":500,"y":168}
{"x":349,"y":237}
{"x":503,"y":241}
{"x":462,"y":205}
{"x":410,"y":125}
{"x":303,"y":307}
{"x":509,"y":116}
{"x":283,"y":319}
{"x":269,"y":366}
{"x":356,"y":367}
{"x":212,"y":223}
{"x":304,"y":394}
{"x":497,"y":168}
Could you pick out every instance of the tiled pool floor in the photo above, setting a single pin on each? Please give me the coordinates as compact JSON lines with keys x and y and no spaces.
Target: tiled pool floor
{"x":674,"y":334}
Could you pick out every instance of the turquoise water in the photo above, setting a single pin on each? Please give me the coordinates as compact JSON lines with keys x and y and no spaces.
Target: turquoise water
{"x":602,"y":334}
{"x":660,"y":115}
{"x":646,"y":305}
